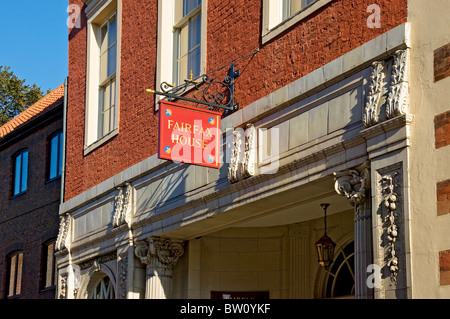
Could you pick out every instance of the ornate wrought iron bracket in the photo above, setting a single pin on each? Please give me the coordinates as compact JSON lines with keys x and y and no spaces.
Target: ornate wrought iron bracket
{"x":215,"y":94}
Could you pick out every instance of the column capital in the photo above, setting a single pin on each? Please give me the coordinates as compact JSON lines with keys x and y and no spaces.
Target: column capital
{"x":354,"y":184}
{"x":167,"y":251}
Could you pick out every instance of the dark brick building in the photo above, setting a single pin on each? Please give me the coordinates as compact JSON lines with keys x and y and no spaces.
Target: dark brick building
{"x":30,"y":186}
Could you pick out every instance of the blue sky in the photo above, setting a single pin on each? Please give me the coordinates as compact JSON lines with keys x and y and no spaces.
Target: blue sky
{"x":33,"y":40}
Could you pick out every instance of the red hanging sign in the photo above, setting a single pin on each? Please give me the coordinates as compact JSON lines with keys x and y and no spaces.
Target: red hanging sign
{"x":189,"y":135}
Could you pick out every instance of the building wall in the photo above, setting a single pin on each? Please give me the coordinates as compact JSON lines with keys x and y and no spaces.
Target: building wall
{"x":429,"y":160}
{"x":234,"y":30}
{"x":29,"y":220}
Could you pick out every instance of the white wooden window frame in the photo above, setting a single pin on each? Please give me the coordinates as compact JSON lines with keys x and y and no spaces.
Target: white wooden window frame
{"x":165,"y":43}
{"x":275,"y":23}
{"x":98,"y":12}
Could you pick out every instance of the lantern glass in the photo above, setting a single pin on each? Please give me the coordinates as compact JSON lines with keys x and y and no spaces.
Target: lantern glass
{"x":325,"y":251}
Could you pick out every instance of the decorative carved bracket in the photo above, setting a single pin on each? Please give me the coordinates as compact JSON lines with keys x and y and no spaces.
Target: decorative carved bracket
{"x":354,"y":184}
{"x":396,"y":102}
{"x":372,"y":109}
{"x":243,"y":154}
{"x":64,"y":232}
{"x":122,"y":212}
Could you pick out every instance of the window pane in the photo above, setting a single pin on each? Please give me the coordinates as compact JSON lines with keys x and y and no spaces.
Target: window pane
{"x":194,"y":62}
{"x":17,"y":174}
{"x":54,"y":162}
{"x":49,"y":266}
{"x":112,"y":109}
{"x":112,"y":54}
{"x":183,"y":45}
{"x":194,"y":31}
{"x":112,"y":31}
{"x":19,"y":273}
{"x":23,"y":186}
{"x":12,"y":275}
{"x":112,"y":46}
{"x":105,"y":107}
{"x":189,"y":5}
{"x":183,"y":41}
{"x":194,"y":45}
{"x":296,"y":6}
{"x":60,"y":153}
{"x":182,"y":69}
{"x":103,"y":38}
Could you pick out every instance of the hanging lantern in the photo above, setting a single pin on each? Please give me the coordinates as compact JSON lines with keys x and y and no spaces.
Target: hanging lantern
{"x":325,"y":245}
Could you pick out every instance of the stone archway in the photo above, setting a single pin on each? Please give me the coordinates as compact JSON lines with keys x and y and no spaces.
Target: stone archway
{"x":99,"y":283}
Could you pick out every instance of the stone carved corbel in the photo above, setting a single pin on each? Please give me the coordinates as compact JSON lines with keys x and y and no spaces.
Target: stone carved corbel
{"x":233,"y":168}
{"x":249,"y":165}
{"x":122,"y":212}
{"x":397,"y":102}
{"x":63,"y":238}
{"x":373,"y":100}
{"x":243,"y":154}
{"x":354,"y":184}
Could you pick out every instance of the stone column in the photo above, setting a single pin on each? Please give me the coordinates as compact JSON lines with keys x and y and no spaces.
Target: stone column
{"x":355,"y":185}
{"x":159,"y":255}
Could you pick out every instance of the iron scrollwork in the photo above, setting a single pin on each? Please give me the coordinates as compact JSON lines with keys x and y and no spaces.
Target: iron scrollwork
{"x":205,"y":84}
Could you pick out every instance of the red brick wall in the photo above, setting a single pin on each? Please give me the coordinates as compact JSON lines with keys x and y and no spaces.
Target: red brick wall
{"x":442,"y":62}
{"x":443,"y":197}
{"x":29,"y":220}
{"x":444,"y":267}
{"x":234,"y":30}
{"x":442,"y":129}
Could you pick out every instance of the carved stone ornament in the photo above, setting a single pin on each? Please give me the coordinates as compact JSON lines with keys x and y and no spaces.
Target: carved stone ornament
{"x":123,"y":276}
{"x":122,"y":211}
{"x":397,"y":102}
{"x":249,"y":165}
{"x":390,"y":198}
{"x":64,"y":231}
{"x":167,"y":251}
{"x":63,"y":286}
{"x":233,"y":168}
{"x":354,"y":184}
{"x":373,"y":101}
{"x":397,"y":92}
{"x":243,"y":154}
{"x":95,"y":263}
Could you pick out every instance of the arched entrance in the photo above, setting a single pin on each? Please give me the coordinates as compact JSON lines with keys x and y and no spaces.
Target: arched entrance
{"x":98,"y":283}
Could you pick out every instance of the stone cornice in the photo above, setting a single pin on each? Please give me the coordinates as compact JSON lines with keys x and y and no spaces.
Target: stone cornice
{"x":386,"y":126}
